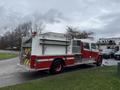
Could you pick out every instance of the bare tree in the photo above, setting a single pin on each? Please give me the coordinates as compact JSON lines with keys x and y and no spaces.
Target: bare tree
{"x":13,"y":39}
{"x":22,"y":30}
{"x":74,"y":32}
{"x":71,"y":32}
{"x":3,"y":43}
{"x":38,"y":27}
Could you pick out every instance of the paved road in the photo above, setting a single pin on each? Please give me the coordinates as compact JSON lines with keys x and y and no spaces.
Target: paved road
{"x":8,"y":72}
{"x":110,"y":62}
{"x":11,"y":74}
{"x":8,"y":51}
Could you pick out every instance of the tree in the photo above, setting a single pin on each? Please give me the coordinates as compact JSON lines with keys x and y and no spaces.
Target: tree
{"x":13,"y":39}
{"x":38,"y":27}
{"x":19,"y":32}
{"x":3,"y":43}
{"x":74,"y":32}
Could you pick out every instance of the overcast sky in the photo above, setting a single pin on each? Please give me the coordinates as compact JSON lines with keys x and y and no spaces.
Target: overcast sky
{"x":99,"y":16}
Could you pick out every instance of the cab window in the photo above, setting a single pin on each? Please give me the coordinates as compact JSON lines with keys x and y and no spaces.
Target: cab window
{"x":86,"y":46}
{"x":76,"y":43}
{"x":93,"y":46}
{"x":76,"y":46}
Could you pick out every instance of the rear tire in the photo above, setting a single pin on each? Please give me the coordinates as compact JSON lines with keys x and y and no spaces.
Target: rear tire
{"x":56,"y":67}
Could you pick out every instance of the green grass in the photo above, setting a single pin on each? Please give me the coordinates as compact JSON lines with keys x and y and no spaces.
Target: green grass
{"x":4,"y":55}
{"x":101,"y":78}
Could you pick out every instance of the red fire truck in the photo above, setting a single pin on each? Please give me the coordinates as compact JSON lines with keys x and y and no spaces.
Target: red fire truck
{"x":54,"y":51}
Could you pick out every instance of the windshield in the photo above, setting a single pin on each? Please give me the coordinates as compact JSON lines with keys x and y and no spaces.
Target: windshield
{"x":93,"y":46}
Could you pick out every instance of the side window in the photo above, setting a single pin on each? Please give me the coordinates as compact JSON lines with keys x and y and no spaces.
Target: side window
{"x":86,"y":46}
{"x":93,"y":46}
{"x":76,"y":43}
{"x":76,"y":46}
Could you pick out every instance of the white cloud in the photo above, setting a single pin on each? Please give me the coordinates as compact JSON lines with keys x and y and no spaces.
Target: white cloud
{"x":102,"y":17}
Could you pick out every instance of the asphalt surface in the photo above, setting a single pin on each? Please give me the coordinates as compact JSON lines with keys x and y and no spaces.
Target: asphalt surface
{"x":110,"y":62}
{"x":11,"y":74}
{"x":9,"y":51}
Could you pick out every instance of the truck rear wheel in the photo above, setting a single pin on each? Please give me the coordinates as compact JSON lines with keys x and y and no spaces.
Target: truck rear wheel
{"x":57,"y":67}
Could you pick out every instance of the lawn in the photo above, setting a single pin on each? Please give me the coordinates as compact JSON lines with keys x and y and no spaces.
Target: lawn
{"x":101,"y":78}
{"x":4,"y":55}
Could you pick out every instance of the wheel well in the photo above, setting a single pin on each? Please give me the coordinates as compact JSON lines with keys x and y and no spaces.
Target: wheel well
{"x":58,"y":59}
{"x":99,"y":58}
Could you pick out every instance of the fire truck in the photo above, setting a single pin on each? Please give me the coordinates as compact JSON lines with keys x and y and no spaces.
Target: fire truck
{"x":54,"y":51}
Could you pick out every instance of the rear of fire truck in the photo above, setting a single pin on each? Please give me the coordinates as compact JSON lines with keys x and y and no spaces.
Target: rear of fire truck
{"x":25,"y":54}
{"x":39,"y":51}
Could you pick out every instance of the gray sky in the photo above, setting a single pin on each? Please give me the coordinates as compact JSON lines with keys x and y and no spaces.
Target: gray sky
{"x":99,"y":16}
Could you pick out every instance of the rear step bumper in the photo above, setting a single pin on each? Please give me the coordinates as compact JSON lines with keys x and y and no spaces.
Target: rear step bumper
{"x":29,"y":69}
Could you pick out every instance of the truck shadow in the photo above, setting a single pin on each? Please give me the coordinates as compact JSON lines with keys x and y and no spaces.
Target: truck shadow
{"x":26,"y":76}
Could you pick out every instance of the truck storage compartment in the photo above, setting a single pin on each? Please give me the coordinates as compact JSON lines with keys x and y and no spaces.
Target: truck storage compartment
{"x":52,"y":47}
{"x":25,"y":51}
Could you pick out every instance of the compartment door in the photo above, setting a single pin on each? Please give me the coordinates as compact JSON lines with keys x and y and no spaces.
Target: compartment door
{"x":76,"y":50}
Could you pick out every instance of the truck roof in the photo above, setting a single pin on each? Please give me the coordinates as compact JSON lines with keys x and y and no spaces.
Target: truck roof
{"x":87,"y":40}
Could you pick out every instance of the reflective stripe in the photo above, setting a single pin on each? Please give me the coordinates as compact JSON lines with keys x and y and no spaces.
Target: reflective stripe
{"x":44,"y":60}
{"x":70,"y":58}
{"x":26,"y":62}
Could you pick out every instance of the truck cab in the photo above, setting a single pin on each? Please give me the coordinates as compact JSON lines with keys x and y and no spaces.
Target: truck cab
{"x":85,"y":50}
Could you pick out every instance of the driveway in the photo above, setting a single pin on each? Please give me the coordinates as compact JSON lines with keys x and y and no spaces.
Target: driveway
{"x":11,"y":74}
{"x":110,"y":62}
{"x":8,"y":51}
